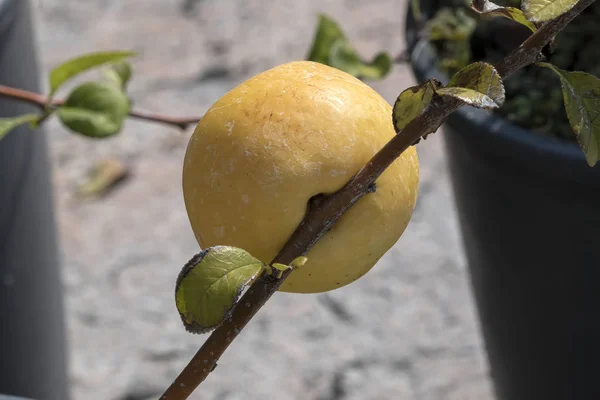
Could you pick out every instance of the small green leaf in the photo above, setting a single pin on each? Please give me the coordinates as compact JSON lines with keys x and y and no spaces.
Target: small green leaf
{"x":95,"y":109}
{"x":343,"y":56}
{"x":210,"y":284}
{"x":412,"y":102}
{"x":486,"y":7}
{"x":8,"y":124}
{"x":581,"y":94}
{"x":298,"y":262}
{"x":376,"y":69}
{"x":120,"y":73}
{"x":545,"y":10}
{"x":77,"y":65}
{"x":328,"y":32}
{"x":280,"y":267}
{"x":331,"y":47}
{"x":478,"y":85}
{"x":277,"y":269}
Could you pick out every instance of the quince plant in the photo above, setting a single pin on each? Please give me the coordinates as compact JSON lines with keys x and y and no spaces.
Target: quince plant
{"x":302,"y":177}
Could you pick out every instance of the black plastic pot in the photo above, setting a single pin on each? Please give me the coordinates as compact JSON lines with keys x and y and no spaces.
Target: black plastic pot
{"x":529,"y":212}
{"x":32,"y":337}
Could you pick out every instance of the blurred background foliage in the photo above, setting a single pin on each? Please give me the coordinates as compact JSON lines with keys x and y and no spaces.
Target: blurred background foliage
{"x":533,"y":95}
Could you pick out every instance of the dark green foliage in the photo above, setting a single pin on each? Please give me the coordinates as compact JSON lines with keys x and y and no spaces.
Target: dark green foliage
{"x":533,"y":95}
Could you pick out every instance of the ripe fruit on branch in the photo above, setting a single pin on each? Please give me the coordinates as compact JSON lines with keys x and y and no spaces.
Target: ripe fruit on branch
{"x":270,"y":144}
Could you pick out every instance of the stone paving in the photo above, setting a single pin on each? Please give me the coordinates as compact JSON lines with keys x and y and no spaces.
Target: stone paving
{"x":407,"y":330}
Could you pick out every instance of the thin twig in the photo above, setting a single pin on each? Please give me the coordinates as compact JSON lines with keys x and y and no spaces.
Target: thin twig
{"x":324,"y":211}
{"x":39,"y":100}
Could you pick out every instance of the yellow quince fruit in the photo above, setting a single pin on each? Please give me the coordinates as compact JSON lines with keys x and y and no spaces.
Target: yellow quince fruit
{"x":270,"y":144}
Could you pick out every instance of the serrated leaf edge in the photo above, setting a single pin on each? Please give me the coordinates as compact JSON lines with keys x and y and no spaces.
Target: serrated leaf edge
{"x":195,"y":260}
{"x":525,"y":6}
{"x":500,"y":82}
{"x":434,"y":83}
{"x":561,"y":75}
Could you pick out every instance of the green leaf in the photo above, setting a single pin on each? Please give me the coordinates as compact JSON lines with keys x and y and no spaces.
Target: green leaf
{"x":210,"y":284}
{"x":411,"y":103}
{"x":581,"y":94}
{"x":8,"y":124}
{"x":478,"y":85}
{"x":277,"y":269}
{"x":331,"y":47}
{"x":77,"y":65}
{"x":469,"y":96}
{"x":120,"y":73}
{"x":95,"y":109}
{"x":343,"y":56}
{"x":486,"y":7}
{"x":328,"y":32}
{"x":298,"y":262}
{"x":545,"y":10}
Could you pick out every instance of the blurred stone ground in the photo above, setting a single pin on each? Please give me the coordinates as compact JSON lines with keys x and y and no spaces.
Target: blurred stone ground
{"x":405,"y":331}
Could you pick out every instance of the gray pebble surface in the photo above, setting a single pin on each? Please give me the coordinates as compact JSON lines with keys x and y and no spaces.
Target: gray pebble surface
{"x":407,"y":330}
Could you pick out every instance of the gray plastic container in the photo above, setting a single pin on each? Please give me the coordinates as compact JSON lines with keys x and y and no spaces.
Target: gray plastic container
{"x":32,"y":333}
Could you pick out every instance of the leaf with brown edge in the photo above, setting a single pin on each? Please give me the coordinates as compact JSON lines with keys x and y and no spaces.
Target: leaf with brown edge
{"x":411,"y":103}
{"x":478,"y":85}
{"x":581,"y":93}
{"x":210,"y":284}
{"x":486,"y":7}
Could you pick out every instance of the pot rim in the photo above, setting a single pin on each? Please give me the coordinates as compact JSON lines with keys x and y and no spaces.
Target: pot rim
{"x":423,"y":64}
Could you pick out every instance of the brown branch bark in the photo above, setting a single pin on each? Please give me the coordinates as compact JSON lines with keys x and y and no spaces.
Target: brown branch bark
{"x":40,"y":101}
{"x":324,"y":211}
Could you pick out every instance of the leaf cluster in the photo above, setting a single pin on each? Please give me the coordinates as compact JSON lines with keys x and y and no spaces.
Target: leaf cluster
{"x":95,"y":109}
{"x":534,"y":98}
{"x":530,"y":102}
